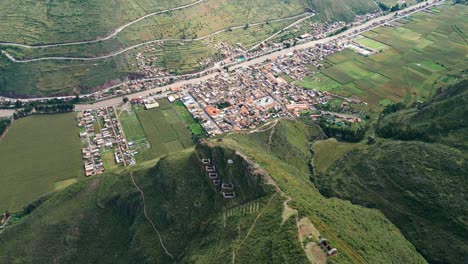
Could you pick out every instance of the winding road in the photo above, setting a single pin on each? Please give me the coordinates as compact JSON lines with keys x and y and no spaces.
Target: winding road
{"x":113,"y":34}
{"x":115,"y":53}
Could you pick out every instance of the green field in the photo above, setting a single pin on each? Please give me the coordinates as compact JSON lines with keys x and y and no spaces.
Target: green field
{"x":165,"y":131}
{"x":37,"y":154}
{"x":319,"y":82}
{"x":131,"y":126}
{"x":371,"y":43}
{"x":185,"y":115}
{"x":426,"y":52}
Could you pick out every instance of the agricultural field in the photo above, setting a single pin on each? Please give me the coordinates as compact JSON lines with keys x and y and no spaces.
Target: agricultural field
{"x":165,"y":130}
{"x":38,"y":155}
{"x":425,"y":52}
{"x":131,"y":125}
{"x":375,"y":45}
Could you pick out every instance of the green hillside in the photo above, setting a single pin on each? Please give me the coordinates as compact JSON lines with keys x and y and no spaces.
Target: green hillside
{"x":42,"y":22}
{"x":420,"y":183}
{"x":277,"y":215}
{"x":442,"y":119}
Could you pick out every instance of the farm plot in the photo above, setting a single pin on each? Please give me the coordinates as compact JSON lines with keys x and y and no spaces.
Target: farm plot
{"x":375,"y":45}
{"x":320,"y":82}
{"x":37,"y":155}
{"x":414,"y":60}
{"x":165,"y":131}
{"x":131,"y":126}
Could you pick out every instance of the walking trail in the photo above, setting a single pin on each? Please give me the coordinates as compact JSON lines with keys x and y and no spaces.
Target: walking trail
{"x":148,"y":218}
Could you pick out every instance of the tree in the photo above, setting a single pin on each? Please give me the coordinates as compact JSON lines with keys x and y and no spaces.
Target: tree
{"x":382,"y":6}
{"x":18,"y":104}
{"x":395,"y":8}
{"x":125,"y":99}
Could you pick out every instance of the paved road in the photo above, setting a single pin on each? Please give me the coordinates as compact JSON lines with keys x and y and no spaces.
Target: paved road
{"x":115,"y":53}
{"x":118,"y":100}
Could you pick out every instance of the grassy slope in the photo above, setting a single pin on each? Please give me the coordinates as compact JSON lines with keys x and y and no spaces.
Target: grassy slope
{"x":339,"y":221}
{"x":36,"y":152}
{"x":100,"y":219}
{"x":441,"y":119}
{"x":58,"y":21}
{"x":418,"y":186}
{"x":336,"y":10}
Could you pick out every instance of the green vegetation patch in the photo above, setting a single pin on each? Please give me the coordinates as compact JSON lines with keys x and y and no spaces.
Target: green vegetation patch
{"x":327,"y":152}
{"x":36,"y":152}
{"x":372,"y":44}
{"x":418,"y":186}
{"x":286,"y":159}
{"x":189,"y":120}
{"x":319,"y":81}
{"x":60,"y":185}
{"x":131,"y":126}
{"x":165,"y":130}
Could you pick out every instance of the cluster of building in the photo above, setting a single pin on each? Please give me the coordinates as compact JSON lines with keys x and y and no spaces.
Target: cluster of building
{"x":331,"y":251}
{"x":88,"y":121}
{"x":102,"y":131}
{"x":227,"y":189}
{"x":248,"y":97}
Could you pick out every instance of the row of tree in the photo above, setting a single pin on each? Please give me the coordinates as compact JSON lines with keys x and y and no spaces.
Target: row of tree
{"x":54,"y":106}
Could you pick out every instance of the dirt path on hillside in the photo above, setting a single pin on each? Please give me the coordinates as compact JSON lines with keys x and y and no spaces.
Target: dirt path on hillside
{"x":237,"y":246}
{"x":269,"y":125}
{"x":148,"y":218}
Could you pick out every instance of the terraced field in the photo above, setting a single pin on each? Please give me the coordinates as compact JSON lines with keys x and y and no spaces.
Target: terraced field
{"x":425,"y":51}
